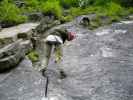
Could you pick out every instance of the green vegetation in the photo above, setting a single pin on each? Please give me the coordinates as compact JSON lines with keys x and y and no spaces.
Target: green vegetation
{"x":30,"y":6}
{"x":10,"y":13}
{"x":126,"y":3}
{"x":69,"y":3}
{"x":53,"y":7}
{"x":33,"y":56}
{"x":130,"y":10}
{"x":65,"y":10}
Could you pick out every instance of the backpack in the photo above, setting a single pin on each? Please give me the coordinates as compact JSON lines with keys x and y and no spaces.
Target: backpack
{"x":71,"y":36}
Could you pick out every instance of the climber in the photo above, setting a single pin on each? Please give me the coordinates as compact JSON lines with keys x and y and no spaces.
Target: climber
{"x":53,"y":42}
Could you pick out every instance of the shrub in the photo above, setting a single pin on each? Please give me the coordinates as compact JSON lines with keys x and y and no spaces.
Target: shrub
{"x":69,"y":3}
{"x":130,"y":10}
{"x":126,"y":3}
{"x":114,"y":9}
{"x":10,"y":13}
{"x":85,"y":3}
{"x":102,"y":2}
{"x":32,"y":5}
{"x":52,"y":7}
{"x":75,"y":11}
{"x":79,"y":11}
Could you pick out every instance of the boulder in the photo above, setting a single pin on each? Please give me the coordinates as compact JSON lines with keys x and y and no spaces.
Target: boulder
{"x":85,"y":21}
{"x":22,"y":31}
{"x":131,"y":17}
{"x":12,"y":54}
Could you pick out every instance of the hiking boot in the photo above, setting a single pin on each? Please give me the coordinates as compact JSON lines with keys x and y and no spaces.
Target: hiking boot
{"x":62,"y":74}
{"x":43,"y":72}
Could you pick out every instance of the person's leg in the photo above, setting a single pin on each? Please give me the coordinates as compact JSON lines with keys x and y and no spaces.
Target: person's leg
{"x":58,"y":53}
{"x":58,"y":58}
{"x":44,"y":57}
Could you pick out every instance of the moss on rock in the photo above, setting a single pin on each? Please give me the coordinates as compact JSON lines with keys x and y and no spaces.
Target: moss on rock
{"x":33,"y":56}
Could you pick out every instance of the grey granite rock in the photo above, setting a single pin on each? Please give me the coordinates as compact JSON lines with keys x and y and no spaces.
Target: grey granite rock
{"x":11,"y":54}
{"x":98,"y":64}
{"x":22,"y":31}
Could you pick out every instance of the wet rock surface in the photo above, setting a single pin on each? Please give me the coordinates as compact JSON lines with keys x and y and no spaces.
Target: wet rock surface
{"x":99,"y":66}
{"x":22,"y":83}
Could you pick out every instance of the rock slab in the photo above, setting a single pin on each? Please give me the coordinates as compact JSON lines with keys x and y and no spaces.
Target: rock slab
{"x":11,"y":54}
